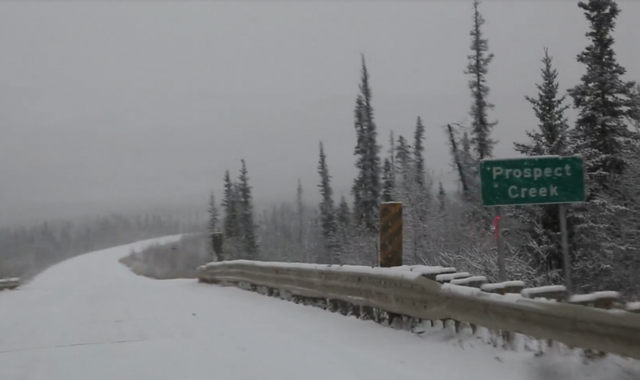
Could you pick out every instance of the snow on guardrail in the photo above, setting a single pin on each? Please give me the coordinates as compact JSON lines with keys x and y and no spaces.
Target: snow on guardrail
{"x":426,"y":293}
{"x":9,"y":283}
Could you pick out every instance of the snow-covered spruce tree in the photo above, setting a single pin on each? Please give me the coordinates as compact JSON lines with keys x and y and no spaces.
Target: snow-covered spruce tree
{"x":230,"y":206}
{"x":465,"y":164}
{"x":214,"y":215}
{"x":416,"y":200}
{"x":416,"y":196}
{"x":551,"y":136}
{"x":601,"y":135}
{"x":343,"y":214}
{"x":540,"y":236}
{"x":477,"y":69}
{"x":327,"y":211}
{"x":358,"y":184}
{"x":367,"y":188}
{"x":276,"y":231}
{"x":470,"y":164}
{"x":300,"y":212}
{"x":249,"y":242}
{"x":344,"y":233}
{"x":634,"y":117}
{"x":418,"y":153}
{"x":403,"y":185}
{"x":392,"y":154}
{"x":457,"y":160}
{"x":603,"y":98}
{"x":403,"y":159}
{"x":462,"y":238}
{"x":442,"y":199}
{"x":387,"y":181}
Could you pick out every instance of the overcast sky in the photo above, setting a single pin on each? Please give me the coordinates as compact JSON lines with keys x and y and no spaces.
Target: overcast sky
{"x":129,"y":105}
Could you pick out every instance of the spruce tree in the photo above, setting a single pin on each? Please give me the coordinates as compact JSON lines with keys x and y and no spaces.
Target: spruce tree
{"x":214,"y":215}
{"x":442,"y":199}
{"x":343,"y":214}
{"x":418,"y":154}
{"x":470,"y":165}
{"x":403,"y":158}
{"x":468,"y":160}
{"x":343,"y":221}
{"x":541,"y":223}
{"x":477,"y":68}
{"x":300,"y":212}
{"x":230,"y":205}
{"x":387,"y":181}
{"x":367,"y":188}
{"x":360,"y":152}
{"x":327,"y":212}
{"x":603,"y":99}
{"x":457,"y":159}
{"x":549,"y":108}
{"x":635,"y":115}
{"x":392,"y":154}
{"x":246,"y":216}
{"x":603,"y":233}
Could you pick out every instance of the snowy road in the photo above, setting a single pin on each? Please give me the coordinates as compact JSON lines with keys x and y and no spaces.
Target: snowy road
{"x":91,"y":318}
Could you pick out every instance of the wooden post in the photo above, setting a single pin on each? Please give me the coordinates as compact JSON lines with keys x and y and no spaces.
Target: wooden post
{"x":391,"y":239}
{"x":391,"y":234}
{"x":216,"y":241}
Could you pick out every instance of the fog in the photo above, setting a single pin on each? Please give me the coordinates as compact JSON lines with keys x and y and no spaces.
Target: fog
{"x":143,"y":105}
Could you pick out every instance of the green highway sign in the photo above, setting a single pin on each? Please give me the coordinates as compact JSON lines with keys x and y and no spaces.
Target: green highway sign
{"x":532,"y":180}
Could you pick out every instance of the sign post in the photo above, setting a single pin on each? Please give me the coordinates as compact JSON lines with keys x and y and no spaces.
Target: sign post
{"x":502,"y":270}
{"x":562,"y":208}
{"x":534,"y":181}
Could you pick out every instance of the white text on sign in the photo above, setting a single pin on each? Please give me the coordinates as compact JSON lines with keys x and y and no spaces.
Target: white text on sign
{"x":535,"y":173}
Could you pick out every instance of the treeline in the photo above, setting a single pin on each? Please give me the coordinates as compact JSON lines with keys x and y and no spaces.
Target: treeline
{"x":454,"y":228}
{"x":25,"y":251}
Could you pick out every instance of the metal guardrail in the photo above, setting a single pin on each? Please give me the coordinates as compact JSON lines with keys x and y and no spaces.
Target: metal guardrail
{"x":417,"y":294}
{"x":9,"y":283}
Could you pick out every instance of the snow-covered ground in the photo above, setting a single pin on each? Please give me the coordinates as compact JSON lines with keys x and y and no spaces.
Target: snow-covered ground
{"x":91,"y":318}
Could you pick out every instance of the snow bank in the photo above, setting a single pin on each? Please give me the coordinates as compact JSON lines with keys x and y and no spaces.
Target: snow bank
{"x":99,"y":313}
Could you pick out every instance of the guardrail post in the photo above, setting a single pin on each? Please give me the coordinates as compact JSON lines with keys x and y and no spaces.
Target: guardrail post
{"x":507,"y":287}
{"x":558,"y":293}
{"x":599,"y":300}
